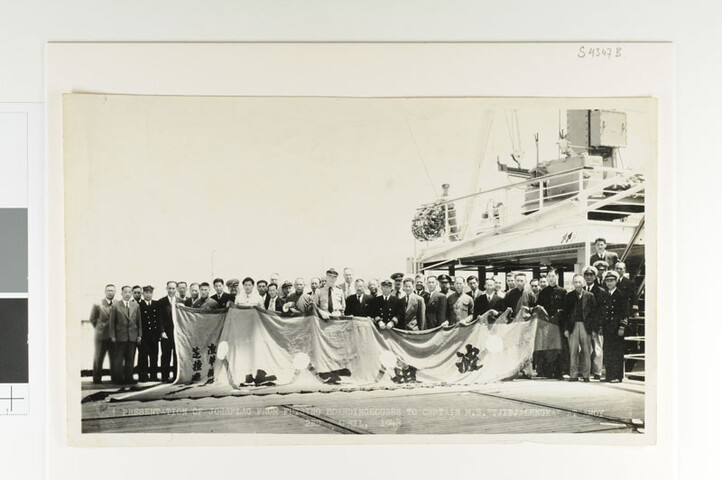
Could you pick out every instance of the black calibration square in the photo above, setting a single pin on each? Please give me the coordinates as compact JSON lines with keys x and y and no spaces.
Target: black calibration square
{"x":13,"y":340}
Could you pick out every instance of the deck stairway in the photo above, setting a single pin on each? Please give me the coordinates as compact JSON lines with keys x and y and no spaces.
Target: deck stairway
{"x":635,"y":352}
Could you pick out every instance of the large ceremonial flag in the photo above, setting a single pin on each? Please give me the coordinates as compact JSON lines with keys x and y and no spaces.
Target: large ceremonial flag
{"x":254,"y":351}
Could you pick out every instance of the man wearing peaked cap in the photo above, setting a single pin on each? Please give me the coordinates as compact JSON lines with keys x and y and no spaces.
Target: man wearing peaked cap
{"x":444,"y":283}
{"x":614,"y":314}
{"x":232,"y":285}
{"x":152,"y":328}
{"x":398,"y":279}
{"x":329,"y":299}
{"x":387,"y":310}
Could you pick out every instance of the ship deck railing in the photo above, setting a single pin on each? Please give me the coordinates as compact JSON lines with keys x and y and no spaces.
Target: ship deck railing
{"x":468,"y":216}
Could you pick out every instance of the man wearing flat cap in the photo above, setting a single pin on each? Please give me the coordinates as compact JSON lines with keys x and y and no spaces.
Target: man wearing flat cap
{"x":286,"y":288}
{"x":614,"y":315}
{"x":398,"y":279}
{"x":387,"y":310}
{"x":152,"y":327}
{"x":329,"y":299}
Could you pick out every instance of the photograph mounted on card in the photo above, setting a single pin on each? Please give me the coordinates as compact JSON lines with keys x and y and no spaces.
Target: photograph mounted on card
{"x":398,"y":266}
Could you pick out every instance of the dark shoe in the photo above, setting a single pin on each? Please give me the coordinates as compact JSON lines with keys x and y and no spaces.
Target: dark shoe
{"x":575,"y":379}
{"x":597,"y":377}
{"x":97,"y":382}
{"x":143,"y":379}
{"x":586,"y":379}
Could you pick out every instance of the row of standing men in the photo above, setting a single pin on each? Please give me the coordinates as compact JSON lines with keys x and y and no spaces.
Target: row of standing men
{"x":417,"y":303}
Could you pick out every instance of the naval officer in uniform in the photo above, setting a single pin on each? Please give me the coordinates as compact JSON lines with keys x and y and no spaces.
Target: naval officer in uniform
{"x":386,"y":309}
{"x":152,"y":328}
{"x":614,"y":314}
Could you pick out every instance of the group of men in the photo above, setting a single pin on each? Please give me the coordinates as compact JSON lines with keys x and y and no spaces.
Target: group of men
{"x":596,"y":309}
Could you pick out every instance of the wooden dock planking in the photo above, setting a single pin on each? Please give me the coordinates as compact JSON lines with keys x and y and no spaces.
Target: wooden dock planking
{"x":455,"y":413}
{"x":217,"y":420}
{"x":554,"y":408}
{"x":597,"y":398}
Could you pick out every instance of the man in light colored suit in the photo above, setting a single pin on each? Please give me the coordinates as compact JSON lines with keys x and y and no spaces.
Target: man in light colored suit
{"x":100,"y":319}
{"x":125,"y":333}
{"x":414,"y":307}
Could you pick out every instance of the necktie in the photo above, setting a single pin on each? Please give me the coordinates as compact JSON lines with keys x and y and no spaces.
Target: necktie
{"x":407,"y":301}
{"x":127,"y":309}
{"x":330,"y":300}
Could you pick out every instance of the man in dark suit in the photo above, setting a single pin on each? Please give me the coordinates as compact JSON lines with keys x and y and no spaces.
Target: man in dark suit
{"x":262,"y":288}
{"x":152,"y":328}
{"x":137,"y":293}
{"x":553,"y":364}
{"x":472,"y":281}
{"x":580,"y":322}
{"x":513,"y":298}
{"x":611,"y":258}
{"x":414,"y":307}
{"x":100,"y":320}
{"x":445,"y":282}
{"x":357,"y":305}
{"x":195,"y":292}
{"x":167,"y":307}
{"x":534,"y":290}
{"x":204,"y":301}
{"x":489,"y":300}
{"x":273,"y":301}
{"x":437,"y":308}
{"x":125,"y":333}
{"x":386,"y":309}
{"x":625,"y":285}
{"x":421,"y":289}
{"x":592,"y":285}
{"x":221,"y":297}
{"x":614,"y":315}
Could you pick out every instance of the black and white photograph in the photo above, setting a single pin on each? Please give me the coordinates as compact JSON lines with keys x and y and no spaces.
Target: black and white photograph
{"x":362,"y":266}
